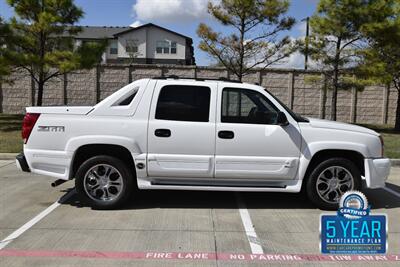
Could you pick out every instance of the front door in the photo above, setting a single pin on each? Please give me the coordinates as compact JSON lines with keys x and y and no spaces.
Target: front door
{"x":249,"y":143}
{"x":181,"y":135}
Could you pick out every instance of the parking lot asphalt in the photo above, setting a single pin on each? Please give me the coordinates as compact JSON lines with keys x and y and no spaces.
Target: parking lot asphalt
{"x":167,"y":228}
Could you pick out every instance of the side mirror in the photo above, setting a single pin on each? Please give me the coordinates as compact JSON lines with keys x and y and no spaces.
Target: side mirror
{"x":282,"y":119}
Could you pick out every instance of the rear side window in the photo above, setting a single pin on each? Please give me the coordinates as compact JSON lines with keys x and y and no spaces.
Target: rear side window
{"x":184,"y":103}
{"x":127,"y":99}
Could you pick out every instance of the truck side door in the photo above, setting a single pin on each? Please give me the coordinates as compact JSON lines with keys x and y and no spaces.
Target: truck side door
{"x":181,"y":130}
{"x":249,"y":143}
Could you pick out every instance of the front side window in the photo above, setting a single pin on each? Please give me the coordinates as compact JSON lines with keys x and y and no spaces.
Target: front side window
{"x":247,"y":106}
{"x":184,"y":103}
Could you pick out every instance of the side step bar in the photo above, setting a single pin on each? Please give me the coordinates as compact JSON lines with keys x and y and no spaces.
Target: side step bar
{"x":177,"y":182}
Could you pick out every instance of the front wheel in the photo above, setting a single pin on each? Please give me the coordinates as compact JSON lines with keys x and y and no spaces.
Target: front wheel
{"x":330,"y":180}
{"x":104,"y":182}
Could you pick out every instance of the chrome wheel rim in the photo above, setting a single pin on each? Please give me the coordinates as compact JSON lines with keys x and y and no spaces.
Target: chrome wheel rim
{"x":103,"y":182}
{"x":333,"y":182}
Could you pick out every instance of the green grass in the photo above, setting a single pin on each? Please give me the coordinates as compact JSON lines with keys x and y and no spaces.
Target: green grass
{"x":11,"y":141}
{"x":390,"y":138}
{"x":10,"y":133}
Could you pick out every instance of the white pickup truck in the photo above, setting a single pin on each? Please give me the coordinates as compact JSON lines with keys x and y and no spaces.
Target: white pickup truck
{"x":193,"y":134}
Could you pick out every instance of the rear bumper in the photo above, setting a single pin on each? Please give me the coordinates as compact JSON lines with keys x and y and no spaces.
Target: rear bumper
{"x":48,"y":162}
{"x":376,"y":172}
{"x":21,"y":162}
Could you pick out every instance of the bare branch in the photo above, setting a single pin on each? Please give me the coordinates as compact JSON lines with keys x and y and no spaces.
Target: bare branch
{"x":51,"y":76}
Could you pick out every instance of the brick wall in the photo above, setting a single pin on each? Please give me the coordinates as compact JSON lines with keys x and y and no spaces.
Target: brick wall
{"x":374,"y":104}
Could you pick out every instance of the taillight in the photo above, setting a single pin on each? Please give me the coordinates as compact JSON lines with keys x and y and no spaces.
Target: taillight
{"x":27,"y":125}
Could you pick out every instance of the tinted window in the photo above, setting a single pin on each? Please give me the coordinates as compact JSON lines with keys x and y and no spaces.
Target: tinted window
{"x":247,"y":106}
{"x":183,"y":103}
{"x":127,"y":100}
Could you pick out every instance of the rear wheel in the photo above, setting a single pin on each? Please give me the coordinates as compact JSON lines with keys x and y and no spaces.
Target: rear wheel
{"x":104,"y":182}
{"x":330,"y":180}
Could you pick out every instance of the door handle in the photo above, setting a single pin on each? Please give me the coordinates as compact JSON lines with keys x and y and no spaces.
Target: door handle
{"x":162,"y":132}
{"x":226,"y":134}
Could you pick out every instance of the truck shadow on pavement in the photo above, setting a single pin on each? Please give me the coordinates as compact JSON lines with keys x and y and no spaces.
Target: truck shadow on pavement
{"x":170,"y":199}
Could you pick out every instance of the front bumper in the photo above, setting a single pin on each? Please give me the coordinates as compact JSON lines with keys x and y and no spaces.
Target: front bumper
{"x":21,"y":162}
{"x":376,"y":172}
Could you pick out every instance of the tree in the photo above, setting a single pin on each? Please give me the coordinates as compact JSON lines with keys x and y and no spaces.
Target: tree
{"x":132,"y":50}
{"x":4,"y":62}
{"x":381,"y":59}
{"x":336,"y":40}
{"x":42,"y":41}
{"x":255,"y":40}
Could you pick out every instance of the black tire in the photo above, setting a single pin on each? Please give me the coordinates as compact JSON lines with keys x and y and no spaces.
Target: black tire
{"x":311,"y":183}
{"x":125,"y":173}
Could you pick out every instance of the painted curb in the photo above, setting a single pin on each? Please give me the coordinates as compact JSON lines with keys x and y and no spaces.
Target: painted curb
{"x":8,"y":156}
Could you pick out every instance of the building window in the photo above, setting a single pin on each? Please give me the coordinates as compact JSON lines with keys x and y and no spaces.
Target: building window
{"x":131,"y":46}
{"x":114,"y":47}
{"x":183,"y":103}
{"x":166,"y":47}
{"x":173,"y":47}
{"x":162,"y":47}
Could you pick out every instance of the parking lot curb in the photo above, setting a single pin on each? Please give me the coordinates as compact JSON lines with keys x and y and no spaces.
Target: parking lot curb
{"x":8,"y":156}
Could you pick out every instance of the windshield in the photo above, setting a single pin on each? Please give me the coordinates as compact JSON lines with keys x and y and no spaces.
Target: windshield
{"x":295,"y":116}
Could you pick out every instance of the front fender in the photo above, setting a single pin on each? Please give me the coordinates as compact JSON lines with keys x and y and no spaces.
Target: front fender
{"x":315,"y":147}
{"x":311,"y":149}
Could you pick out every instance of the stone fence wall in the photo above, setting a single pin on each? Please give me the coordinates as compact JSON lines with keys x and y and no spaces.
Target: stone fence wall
{"x":375,"y":104}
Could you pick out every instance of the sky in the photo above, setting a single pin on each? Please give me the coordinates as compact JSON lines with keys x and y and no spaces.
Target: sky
{"x":182,"y":16}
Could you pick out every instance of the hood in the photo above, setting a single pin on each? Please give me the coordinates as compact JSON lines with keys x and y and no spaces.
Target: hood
{"x":318,"y":123}
{"x":79,"y":110}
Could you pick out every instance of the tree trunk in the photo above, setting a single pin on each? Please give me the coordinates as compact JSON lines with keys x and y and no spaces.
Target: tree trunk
{"x":40,"y":94}
{"x":334,"y":96}
{"x":241,"y":52}
{"x":397,"y":123}
{"x":335,"y":80}
{"x":1,"y":98}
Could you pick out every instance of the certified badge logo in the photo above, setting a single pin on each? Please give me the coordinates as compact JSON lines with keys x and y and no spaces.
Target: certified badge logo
{"x":353,"y":205}
{"x":353,"y":230}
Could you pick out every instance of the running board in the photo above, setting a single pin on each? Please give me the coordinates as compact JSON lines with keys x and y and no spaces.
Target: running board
{"x":208,"y":183}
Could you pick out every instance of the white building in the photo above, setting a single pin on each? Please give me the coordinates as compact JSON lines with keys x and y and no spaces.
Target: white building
{"x":148,"y":44}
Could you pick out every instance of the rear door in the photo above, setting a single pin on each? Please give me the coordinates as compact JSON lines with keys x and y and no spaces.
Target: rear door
{"x":249,"y":143}
{"x":181,"y":135}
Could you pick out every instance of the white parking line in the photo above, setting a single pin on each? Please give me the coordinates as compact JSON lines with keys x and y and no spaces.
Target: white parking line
{"x":7,"y":164}
{"x":34,"y":220}
{"x":391,"y":191}
{"x":248,"y":226}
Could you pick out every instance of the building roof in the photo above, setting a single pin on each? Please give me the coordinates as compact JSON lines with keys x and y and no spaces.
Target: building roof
{"x":99,"y":32}
{"x":130,"y":29}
